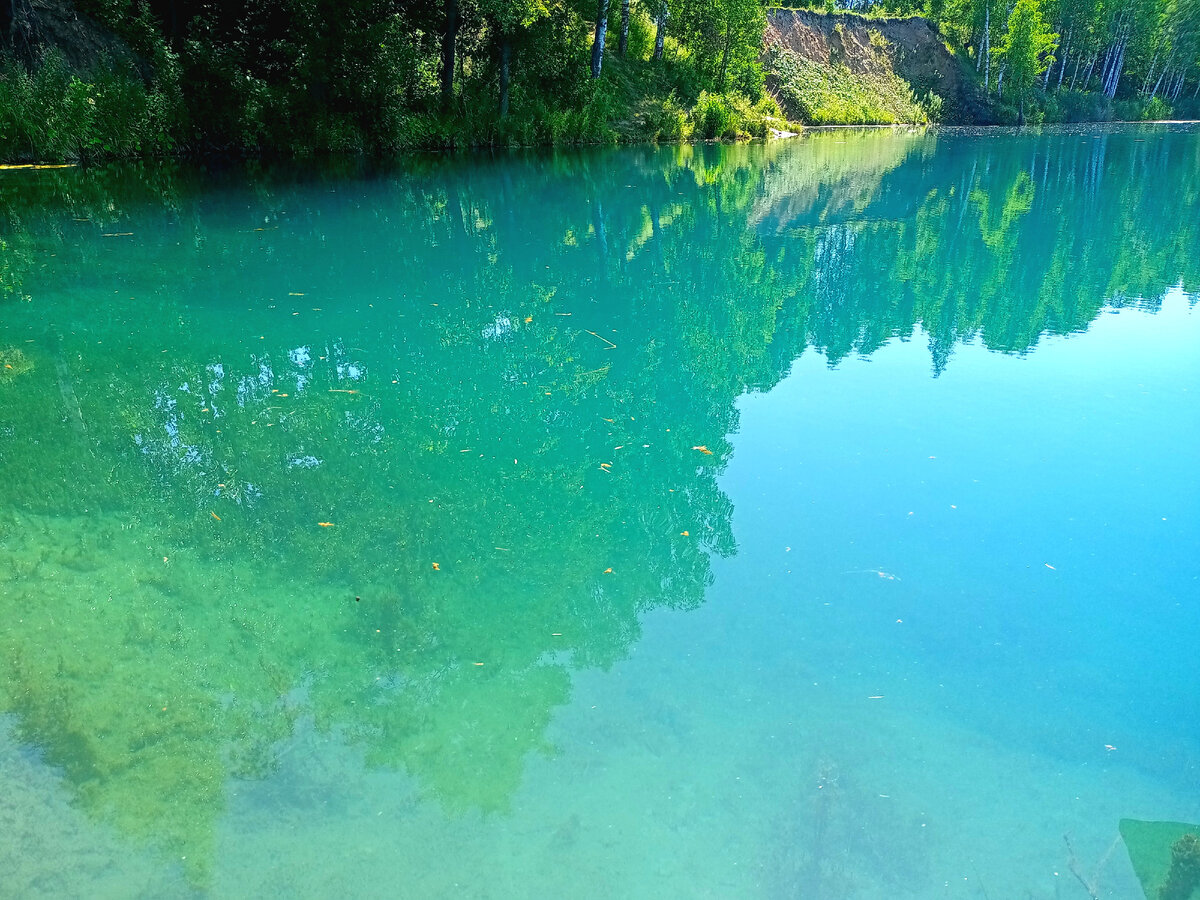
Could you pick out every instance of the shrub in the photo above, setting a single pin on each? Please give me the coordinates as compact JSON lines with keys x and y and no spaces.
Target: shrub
{"x":1157,"y":108}
{"x":1083,"y":106}
{"x":713,"y":116}
{"x":821,"y":94}
{"x":660,"y":120}
{"x":54,"y":114}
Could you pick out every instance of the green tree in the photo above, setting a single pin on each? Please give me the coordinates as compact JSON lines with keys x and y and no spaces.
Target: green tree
{"x":510,"y":19}
{"x":725,"y":38}
{"x":1027,"y":50}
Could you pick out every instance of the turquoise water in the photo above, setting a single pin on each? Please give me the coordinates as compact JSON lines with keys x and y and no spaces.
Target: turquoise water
{"x":815,"y":519}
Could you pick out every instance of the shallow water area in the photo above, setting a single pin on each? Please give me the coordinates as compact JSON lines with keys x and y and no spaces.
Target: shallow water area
{"x":811,"y":519}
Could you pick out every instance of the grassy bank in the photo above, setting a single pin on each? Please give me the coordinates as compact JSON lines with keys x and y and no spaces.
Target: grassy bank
{"x":831,"y":94}
{"x":52,"y":113}
{"x":278,"y":82}
{"x":294,"y":78}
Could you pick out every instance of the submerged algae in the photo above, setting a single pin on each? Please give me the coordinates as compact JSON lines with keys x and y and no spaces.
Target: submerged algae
{"x":248,"y":541}
{"x":13,"y":364}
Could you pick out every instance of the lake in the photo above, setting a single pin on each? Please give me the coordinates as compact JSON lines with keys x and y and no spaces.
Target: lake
{"x":808,"y":519}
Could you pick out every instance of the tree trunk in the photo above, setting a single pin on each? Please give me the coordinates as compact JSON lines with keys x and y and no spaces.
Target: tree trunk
{"x":1050,"y":68}
{"x":623,"y":44}
{"x":725,"y":58}
{"x":505,"y":58}
{"x":1088,"y":75}
{"x":1021,"y":111}
{"x":660,"y":31}
{"x":1115,"y":76}
{"x":598,"y":43}
{"x":1063,"y":66}
{"x":987,"y":47}
{"x":449,"y":40}
{"x":1108,"y":56}
{"x":1160,"y":78}
{"x":1150,"y":74}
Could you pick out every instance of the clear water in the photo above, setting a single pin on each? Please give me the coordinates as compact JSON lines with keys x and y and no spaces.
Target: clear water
{"x":818,"y":519}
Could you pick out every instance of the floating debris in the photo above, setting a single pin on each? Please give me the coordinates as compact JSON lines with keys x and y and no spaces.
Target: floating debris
{"x":611,"y":345}
{"x":886,"y":576}
{"x":11,"y":166}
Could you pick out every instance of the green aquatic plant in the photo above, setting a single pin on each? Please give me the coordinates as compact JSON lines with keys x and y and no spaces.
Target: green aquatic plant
{"x":1165,"y":857}
{"x":13,"y":364}
{"x":1183,"y":878}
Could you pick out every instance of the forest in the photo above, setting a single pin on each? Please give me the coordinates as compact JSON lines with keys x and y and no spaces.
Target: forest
{"x":96,"y":79}
{"x":1077,"y":54}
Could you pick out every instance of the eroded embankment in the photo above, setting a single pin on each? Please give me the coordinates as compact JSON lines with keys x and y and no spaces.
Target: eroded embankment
{"x":848,"y":69}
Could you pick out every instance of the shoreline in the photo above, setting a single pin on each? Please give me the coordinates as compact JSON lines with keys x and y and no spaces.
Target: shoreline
{"x":209,"y":158}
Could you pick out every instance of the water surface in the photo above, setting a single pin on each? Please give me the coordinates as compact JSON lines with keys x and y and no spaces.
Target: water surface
{"x":815,"y":519}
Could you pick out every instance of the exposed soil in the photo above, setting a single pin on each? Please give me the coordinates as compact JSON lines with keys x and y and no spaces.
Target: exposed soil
{"x":912,"y":47}
{"x":35,"y":26}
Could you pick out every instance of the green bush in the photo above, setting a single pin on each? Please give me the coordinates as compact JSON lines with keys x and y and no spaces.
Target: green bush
{"x":714,"y":116}
{"x":54,"y":114}
{"x":1156,"y":108}
{"x":933,"y":106}
{"x":821,"y":94}
{"x":1083,"y":106}
{"x":658,"y":119}
{"x":1005,"y":113}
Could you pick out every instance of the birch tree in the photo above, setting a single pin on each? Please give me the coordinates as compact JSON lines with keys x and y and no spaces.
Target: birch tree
{"x":1027,"y":50}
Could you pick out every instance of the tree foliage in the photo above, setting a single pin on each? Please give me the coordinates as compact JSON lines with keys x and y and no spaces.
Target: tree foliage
{"x":1027,"y":49}
{"x":373,"y":75}
{"x":1112,"y":58}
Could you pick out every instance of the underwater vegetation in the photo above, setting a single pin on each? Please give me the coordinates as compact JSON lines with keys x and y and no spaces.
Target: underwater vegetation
{"x":1183,"y":877}
{"x":369,"y":454}
{"x":1165,"y":856}
{"x":13,"y":364}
